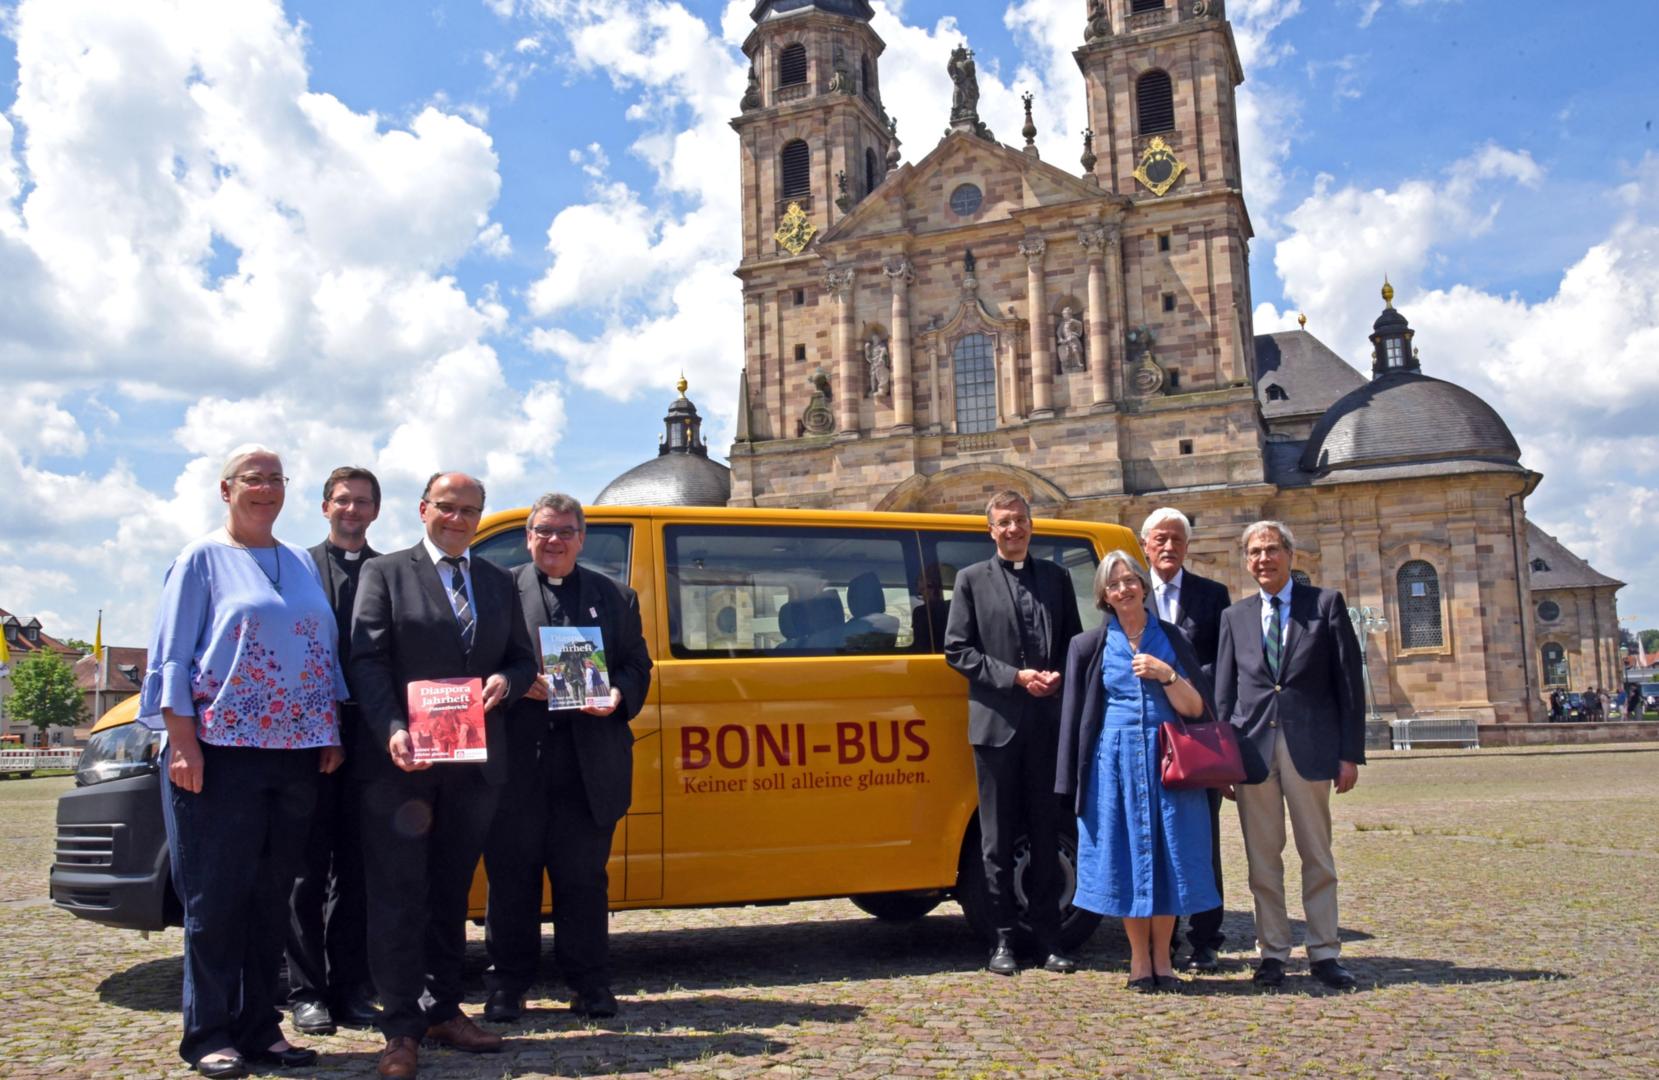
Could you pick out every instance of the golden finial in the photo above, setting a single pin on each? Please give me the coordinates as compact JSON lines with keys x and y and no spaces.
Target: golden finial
{"x":1302,"y":319}
{"x":682,"y":384}
{"x":1388,"y":292}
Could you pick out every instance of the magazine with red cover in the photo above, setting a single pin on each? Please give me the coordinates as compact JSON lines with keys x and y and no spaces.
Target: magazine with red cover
{"x":446,"y":719}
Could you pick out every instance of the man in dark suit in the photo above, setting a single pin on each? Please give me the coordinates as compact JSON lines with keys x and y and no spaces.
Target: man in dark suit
{"x":570,"y":779}
{"x":1011,"y":620}
{"x":1287,"y":675}
{"x":327,"y":953}
{"x":1193,"y":604}
{"x":430,"y":612}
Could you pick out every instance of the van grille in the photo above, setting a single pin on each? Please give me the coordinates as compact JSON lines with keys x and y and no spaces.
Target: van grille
{"x":86,"y":845}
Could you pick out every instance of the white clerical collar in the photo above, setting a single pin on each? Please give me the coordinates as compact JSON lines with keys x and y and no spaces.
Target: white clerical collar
{"x":351,"y":556}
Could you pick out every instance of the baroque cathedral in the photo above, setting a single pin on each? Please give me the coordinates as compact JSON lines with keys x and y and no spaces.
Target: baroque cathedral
{"x":918,"y":335}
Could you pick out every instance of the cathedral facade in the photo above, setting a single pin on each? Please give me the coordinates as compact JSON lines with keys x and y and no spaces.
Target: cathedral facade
{"x":918,"y":335}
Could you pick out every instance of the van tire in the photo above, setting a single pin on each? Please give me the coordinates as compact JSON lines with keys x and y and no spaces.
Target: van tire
{"x":898,"y":906}
{"x":1076,"y":925}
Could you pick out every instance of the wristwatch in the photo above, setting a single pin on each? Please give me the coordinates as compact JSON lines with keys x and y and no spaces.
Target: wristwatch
{"x":1174,"y":678}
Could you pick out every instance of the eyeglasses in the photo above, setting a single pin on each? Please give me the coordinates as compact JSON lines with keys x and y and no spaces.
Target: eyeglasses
{"x":564,"y":532}
{"x":1121,"y":585}
{"x":255,"y":480}
{"x":1011,"y":523}
{"x":452,"y":510}
{"x":344,"y":502}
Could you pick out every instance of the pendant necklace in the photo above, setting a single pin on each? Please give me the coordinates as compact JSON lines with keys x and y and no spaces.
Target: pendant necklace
{"x":276,"y":582}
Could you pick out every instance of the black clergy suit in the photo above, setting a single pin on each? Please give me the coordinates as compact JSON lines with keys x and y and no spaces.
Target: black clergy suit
{"x":423,"y":831}
{"x":327,"y":951}
{"x":1014,"y":734}
{"x":1199,"y":603}
{"x":570,"y":781}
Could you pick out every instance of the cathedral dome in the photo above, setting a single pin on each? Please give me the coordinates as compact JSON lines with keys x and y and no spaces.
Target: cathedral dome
{"x":681,"y":474}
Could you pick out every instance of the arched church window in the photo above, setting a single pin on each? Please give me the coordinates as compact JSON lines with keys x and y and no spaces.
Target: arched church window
{"x":792,"y":65}
{"x":1145,"y":5}
{"x":976,"y":384}
{"x":1275,"y":392}
{"x":872,"y":172}
{"x":1155,"y":102}
{"x":1539,"y":566}
{"x":796,"y":160}
{"x":1549,"y":611}
{"x":1555,"y":665}
{"x":866,"y":84}
{"x":1419,"y":588}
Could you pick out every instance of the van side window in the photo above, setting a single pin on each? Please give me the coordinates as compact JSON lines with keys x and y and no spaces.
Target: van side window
{"x":777,"y":590}
{"x":944,"y":553}
{"x":606,"y":549}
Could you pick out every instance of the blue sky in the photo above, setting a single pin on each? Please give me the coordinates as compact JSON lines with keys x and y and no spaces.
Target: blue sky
{"x":307,"y":222}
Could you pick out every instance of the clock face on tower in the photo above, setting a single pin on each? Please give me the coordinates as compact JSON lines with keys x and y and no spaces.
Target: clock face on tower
{"x":1159,"y":168}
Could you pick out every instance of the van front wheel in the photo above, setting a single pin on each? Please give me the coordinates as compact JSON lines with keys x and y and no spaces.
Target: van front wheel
{"x":898,"y":906}
{"x":1076,"y":925}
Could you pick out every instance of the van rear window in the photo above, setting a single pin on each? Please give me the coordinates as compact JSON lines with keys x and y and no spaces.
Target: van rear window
{"x":944,"y":553}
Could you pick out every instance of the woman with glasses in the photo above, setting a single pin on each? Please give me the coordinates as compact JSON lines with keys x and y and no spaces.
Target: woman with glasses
{"x":1143,"y":852}
{"x":244,"y":679}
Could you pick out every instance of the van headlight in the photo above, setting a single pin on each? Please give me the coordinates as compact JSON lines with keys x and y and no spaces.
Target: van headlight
{"x":117,"y":753}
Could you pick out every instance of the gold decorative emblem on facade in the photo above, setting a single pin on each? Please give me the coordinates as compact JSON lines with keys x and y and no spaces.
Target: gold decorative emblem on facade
{"x":1159,"y":167}
{"x":795,"y":231}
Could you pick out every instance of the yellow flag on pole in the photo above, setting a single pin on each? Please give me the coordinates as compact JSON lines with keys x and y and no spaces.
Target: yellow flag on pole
{"x":98,"y":638}
{"x":5,"y":653}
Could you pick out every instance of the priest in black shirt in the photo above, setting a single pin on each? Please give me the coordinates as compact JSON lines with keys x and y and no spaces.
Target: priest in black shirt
{"x":569,"y":780}
{"x":328,"y":964}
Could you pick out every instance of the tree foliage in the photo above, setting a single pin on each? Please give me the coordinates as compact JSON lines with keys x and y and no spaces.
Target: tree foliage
{"x":44,"y":693}
{"x":1650,"y":641}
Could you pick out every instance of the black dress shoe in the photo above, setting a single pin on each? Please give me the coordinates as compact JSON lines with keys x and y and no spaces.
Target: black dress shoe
{"x":291,"y":1058}
{"x":597,"y":1004}
{"x":313,"y":1018}
{"x":1061,"y":965}
{"x":1270,"y":975}
{"x":356,"y":1012}
{"x":1203,"y":959}
{"x":223,"y":1068}
{"x":1148,"y":985}
{"x":1169,"y":984}
{"x":1333,"y":974}
{"x":503,"y":1006}
{"x":1002,"y":961}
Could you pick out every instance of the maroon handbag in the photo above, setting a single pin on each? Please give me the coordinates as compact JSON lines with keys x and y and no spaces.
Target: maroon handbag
{"x":1199,"y":754}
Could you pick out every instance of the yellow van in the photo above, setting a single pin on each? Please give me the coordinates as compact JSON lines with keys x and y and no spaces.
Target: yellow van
{"x":804,"y":737}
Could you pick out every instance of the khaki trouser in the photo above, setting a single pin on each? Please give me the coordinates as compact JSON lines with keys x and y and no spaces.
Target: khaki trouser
{"x":1261,"y":813}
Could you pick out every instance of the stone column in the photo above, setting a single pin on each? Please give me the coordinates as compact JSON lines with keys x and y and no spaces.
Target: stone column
{"x":900,"y":274}
{"x":1093,"y":240}
{"x":839,"y":281}
{"x":1120,"y":312}
{"x":1042,"y":358}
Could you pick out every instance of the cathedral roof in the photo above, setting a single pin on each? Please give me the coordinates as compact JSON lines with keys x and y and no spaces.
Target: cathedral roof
{"x":681,"y":474}
{"x":1561,"y":569}
{"x":1309,"y":378}
{"x":773,"y":9}
{"x":1408,"y":417}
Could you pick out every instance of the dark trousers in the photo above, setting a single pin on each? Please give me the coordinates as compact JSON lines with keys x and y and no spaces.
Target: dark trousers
{"x":1016,"y":798}
{"x":423,"y":833}
{"x":235,"y":847}
{"x":546,"y":823}
{"x":328,"y":959}
{"x":1204,"y":927}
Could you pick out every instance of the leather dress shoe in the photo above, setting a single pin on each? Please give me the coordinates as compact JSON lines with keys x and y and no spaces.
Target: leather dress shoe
{"x":224,"y":1068}
{"x":1146,"y":985}
{"x":1203,"y":959}
{"x":399,"y":1059}
{"x":1060,"y":964}
{"x":356,"y":1012}
{"x":461,"y":1033}
{"x":596,"y":1004}
{"x":1270,"y":975}
{"x":291,"y":1058}
{"x":1169,"y":984}
{"x":1333,"y":974}
{"x":1002,"y":960}
{"x":313,"y":1018}
{"x":503,"y":1006}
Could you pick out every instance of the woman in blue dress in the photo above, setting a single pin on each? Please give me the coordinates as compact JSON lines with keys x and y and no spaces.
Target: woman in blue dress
{"x":1143,"y":852}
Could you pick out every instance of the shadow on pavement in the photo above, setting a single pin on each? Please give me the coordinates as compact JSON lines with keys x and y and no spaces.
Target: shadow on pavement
{"x":153,"y":986}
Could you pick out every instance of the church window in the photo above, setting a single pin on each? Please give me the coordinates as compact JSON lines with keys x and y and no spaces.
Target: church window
{"x":872,"y":174}
{"x":1549,"y":611}
{"x":1186,"y":446}
{"x":1155,"y":102}
{"x":1419,"y":590}
{"x":1163,"y":241}
{"x":866,"y":84}
{"x":965,"y":199}
{"x":1555,"y":665}
{"x":792,"y":65}
{"x":1275,"y":392}
{"x":1169,"y":301}
{"x":1394,"y":352}
{"x":1173,"y":376}
{"x":1145,"y":5}
{"x":1301,"y":577}
{"x":976,"y":385}
{"x":800,"y":354}
{"x":800,"y":297}
{"x":797,"y":169}
{"x":1539,"y":566}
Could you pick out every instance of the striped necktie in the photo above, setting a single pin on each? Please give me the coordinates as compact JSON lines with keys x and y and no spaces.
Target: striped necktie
{"x":1274,"y":632}
{"x":458,"y":600}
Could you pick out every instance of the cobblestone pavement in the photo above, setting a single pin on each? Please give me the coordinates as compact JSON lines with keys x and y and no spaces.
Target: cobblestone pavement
{"x":1499,"y":907}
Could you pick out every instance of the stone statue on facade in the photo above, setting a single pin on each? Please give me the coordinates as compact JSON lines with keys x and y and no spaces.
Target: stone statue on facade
{"x":1068,"y":341}
{"x":964,"y":98}
{"x":816,"y":418}
{"x":881,"y":369}
{"x":1100,"y":24}
{"x":751,"y":96}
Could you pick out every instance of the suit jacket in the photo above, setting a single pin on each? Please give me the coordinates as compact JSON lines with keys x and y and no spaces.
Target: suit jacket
{"x":1318,"y":702}
{"x":1201,"y":602}
{"x":358,"y":743}
{"x":982,"y":641}
{"x":403,"y":629}
{"x":604,"y":744}
{"x":1083,"y":707}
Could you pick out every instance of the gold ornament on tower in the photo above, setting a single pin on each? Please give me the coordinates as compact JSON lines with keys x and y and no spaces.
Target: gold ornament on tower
{"x":795,"y":231}
{"x":1159,"y":167}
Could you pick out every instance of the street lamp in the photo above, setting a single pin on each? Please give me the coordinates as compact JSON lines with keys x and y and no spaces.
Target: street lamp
{"x":1368,"y":620}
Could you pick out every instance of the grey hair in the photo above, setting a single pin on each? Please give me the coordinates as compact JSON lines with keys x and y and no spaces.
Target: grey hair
{"x":1163,"y":515}
{"x":1004,"y":499}
{"x":559,"y":503}
{"x":242,"y":453}
{"x":1285,"y":535}
{"x":1103,"y":574}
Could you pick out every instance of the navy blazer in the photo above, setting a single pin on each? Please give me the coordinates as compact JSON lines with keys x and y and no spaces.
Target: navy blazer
{"x":403,"y":629}
{"x":1201,"y":602}
{"x":982,"y":641}
{"x":1318,"y":702}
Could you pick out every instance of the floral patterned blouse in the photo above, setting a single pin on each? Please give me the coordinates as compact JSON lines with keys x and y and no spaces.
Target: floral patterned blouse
{"x":245,"y":642}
